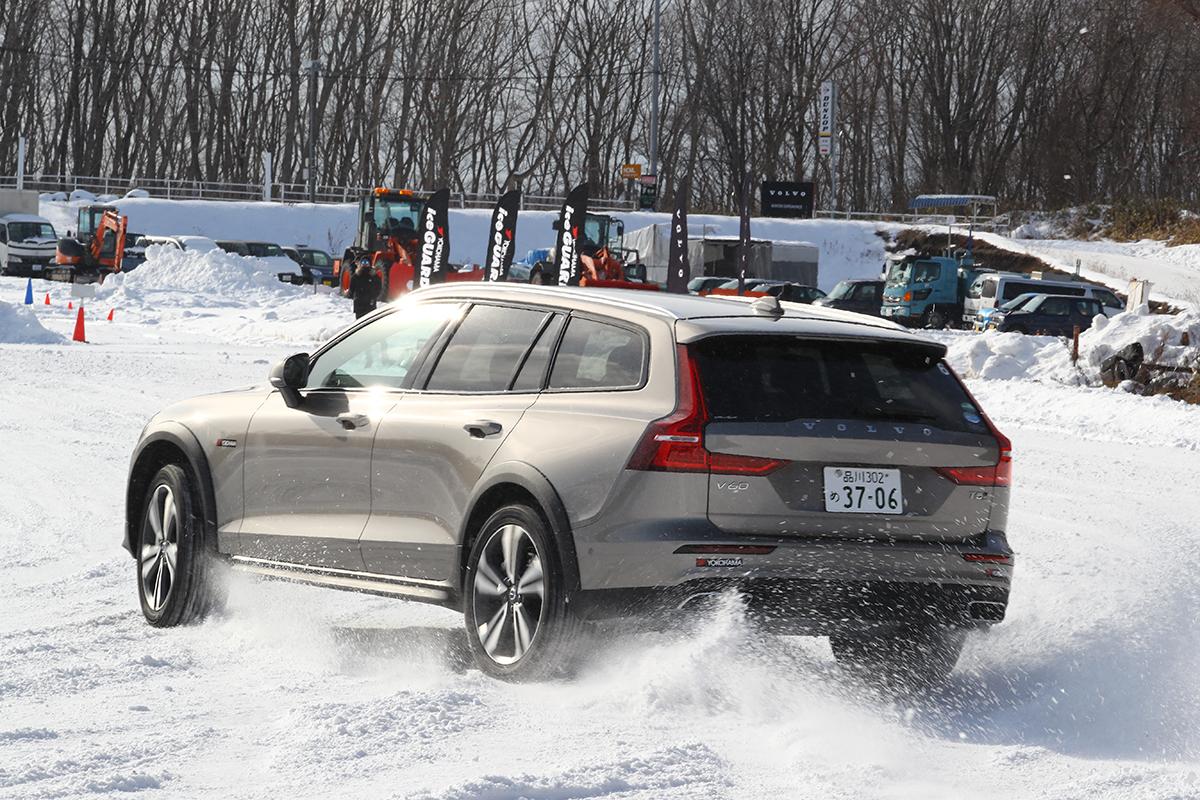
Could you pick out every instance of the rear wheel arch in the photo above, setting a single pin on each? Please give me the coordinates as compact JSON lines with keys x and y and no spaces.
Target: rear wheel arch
{"x":519,"y":483}
{"x":171,"y":444}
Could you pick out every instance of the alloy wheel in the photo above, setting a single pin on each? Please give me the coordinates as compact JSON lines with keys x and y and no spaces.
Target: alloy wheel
{"x":508,"y":594}
{"x":160,"y":548}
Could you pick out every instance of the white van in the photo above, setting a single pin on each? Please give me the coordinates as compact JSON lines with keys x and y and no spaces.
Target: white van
{"x":27,"y":244}
{"x":995,"y":289}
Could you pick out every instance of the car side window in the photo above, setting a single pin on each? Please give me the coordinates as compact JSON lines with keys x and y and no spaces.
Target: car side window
{"x":1087,"y":308}
{"x":1109,"y":299}
{"x":1055,"y":307}
{"x":596,"y":355}
{"x":486,"y":350}
{"x":384,"y":351}
{"x":533,"y":371}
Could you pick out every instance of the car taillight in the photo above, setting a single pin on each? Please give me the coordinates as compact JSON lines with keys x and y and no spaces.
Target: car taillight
{"x":675,"y":443}
{"x":998,"y":474}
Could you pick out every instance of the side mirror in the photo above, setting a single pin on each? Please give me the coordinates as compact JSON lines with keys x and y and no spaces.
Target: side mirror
{"x":291,"y":373}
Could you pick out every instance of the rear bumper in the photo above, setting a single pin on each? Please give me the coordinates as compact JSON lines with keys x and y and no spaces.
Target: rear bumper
{"x":804,"y":583}
{"x":808,"y":607}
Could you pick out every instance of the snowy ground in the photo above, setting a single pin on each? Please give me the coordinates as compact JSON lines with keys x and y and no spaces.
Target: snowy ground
{"x":1090,"y":688}
{"x":1173,"y":272}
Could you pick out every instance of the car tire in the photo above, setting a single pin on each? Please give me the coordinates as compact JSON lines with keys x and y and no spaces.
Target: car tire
{"x":515,"y":598}
{"x":920,"y":657}
{"x":180,"y":581}
{"x":933,"y":319}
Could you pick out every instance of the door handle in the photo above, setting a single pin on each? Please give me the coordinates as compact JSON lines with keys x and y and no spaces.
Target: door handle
{"x":481,"y":429}
{"x":351,"y":421}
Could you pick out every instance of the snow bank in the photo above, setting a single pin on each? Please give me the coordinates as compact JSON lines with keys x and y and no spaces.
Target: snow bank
{"x":19,"y":325}
{"x":1014,"y":356}
{"x":1161,"y":336}
{"x":1010,"y":356}
{"x":189,"y":278}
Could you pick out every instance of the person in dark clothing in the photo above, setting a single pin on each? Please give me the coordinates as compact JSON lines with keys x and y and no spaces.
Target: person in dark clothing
{"x":364,"y":288}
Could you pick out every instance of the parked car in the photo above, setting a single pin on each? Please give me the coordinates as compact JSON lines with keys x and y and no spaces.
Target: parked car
{"x":201,"y":244}
{"x":989,"y":318}
{"x":288,"y":270}
{"x":756,"y":287}
{"x":704,"y":284}
{"x":792,"y":292}
{"x":997,"y":288}
{"x":236,"y":248}
{"x":316,"y":266}
{"x":542,"y":457}
{"x":859,"y":296}
{"x":1052,"y":314}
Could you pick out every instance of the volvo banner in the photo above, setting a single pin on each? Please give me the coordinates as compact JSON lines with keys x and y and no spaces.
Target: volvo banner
{"x":679,"y":271}
{"x":787,"y":199}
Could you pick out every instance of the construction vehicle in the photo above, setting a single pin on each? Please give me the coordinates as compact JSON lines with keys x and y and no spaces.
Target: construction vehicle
{"x":388,"y":233}
{"x":603,"y":260}
{"x":95,"y":251}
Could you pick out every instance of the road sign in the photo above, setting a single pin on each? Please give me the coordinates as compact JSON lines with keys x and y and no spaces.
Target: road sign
{"x":648,"y":197}
{"x":631,"y":172}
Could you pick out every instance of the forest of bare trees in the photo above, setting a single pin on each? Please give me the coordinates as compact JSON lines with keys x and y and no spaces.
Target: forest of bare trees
{"x":1042,"y":102}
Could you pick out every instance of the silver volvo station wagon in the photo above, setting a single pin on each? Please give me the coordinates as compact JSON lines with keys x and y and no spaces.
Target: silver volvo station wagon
{"x":542,"y":458}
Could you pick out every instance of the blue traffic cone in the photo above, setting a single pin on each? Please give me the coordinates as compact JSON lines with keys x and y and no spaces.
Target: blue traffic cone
{"x":29,"y":292}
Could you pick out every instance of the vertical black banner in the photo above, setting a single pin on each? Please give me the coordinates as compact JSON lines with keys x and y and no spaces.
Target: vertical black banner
{"x":435,"y":239}
{"x":743,"y":265}
{"x":570,"y":226}
{"x":679,"y":271}
{"x":501,"y":234}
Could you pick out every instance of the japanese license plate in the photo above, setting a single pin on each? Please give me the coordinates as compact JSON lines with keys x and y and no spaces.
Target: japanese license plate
{"x":863,"y":490}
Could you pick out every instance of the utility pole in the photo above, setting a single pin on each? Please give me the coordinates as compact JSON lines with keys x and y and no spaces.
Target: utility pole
{"x":654,"y":92}
{"x":20,"y":163}
{"x":267,"y":177}
{"x":313,"y":66}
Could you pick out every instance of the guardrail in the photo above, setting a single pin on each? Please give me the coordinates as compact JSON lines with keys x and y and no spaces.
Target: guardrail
{"x":173,"y":189}
{"x":980,"y":222}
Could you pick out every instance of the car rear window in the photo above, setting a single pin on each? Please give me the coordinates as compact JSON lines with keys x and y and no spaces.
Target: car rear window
{"x":782,"y":378}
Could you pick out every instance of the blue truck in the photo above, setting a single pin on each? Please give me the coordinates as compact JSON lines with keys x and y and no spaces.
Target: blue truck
{"x":928,"y":291}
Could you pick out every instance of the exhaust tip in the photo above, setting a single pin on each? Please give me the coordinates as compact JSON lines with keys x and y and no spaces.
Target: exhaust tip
{"x":986,"y":611}
{"x":699,"y":597}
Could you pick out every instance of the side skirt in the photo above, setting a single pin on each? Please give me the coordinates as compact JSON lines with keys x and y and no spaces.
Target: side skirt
{"x":426,"y":591}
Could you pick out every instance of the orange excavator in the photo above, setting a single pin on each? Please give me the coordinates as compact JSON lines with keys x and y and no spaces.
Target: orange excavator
{"x":95,"y":252}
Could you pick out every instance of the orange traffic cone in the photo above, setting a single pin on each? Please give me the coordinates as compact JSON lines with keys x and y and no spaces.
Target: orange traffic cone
{"x":110,"y":313}
{"x":71,"y":305}
{"x":78,"y":336}
{"x":47,"y":298}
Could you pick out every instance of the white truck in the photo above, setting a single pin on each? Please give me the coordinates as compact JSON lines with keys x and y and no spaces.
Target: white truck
{"x":27,"y":242}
